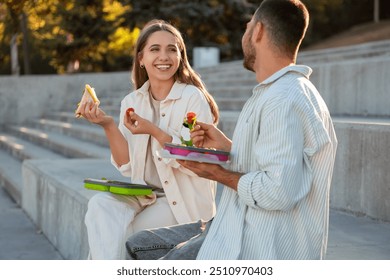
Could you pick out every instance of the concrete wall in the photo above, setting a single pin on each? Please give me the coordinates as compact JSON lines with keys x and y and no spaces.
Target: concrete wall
{"x":361,"y":178}
{"x":56,"y":201}
{"x":355,"y":87}
{"x":27,"y":97}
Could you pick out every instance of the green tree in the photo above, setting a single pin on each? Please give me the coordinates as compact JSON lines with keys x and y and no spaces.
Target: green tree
{"x":74,"y":34}
{"x":203,"y":22}
{"x":330,"y":17}
{"x":69,"y":35}
{"x":56,"y":36}
{"x":13,"y":14}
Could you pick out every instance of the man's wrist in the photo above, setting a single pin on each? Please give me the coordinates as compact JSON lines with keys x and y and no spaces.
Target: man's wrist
{"x":229,"y":178}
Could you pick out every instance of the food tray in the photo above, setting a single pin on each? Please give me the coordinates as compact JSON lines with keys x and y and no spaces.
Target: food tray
{"x":117,"y":187}
{"x":177,"y":151}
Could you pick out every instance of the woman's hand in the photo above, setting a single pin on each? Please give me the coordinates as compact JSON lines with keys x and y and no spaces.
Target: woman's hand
{"x":209,"y":136}
{"x":137,"y":124}
{"x":94,"y":114}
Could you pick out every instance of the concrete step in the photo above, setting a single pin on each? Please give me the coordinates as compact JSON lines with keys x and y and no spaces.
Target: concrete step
{"x":68,"y":117}
{"x":227,"y":122}
{"x":231,"y":103}
{"x":225,"y":66}
{"x":21,"y":149}
{"x":233,"y":74}
{"x":112,"y":100}
{"x":57,"y":186}
{"x":11,"y":176}
{"x":237,"y":82}
{"x":370,"y":49}
{"x":105,"y":96}
{"x":65,"y":116}
{"x":223,"y":91}
{"x":79,"y":130}
{"x":65,"y":145}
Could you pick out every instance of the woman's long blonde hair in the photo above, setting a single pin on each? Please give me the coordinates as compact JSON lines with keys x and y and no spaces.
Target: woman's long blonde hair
{"x":185,"y":74}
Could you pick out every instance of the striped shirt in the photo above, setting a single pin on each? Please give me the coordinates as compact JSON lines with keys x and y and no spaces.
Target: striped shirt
{"x":285,"y":144}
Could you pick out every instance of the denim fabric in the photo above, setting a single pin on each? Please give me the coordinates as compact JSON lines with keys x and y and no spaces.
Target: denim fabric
{"x":176,"y":242}
{"x":188,"y":250}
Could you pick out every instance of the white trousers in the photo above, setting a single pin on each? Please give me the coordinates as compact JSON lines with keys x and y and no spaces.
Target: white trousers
{"x":111,"y":219}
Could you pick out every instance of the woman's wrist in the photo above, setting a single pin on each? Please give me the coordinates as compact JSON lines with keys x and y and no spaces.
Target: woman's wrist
{"x":161,"y":136}
{"x":108,"y":124}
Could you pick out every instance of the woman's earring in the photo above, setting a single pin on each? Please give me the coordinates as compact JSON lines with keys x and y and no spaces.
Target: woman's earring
{"x":142,"y":66}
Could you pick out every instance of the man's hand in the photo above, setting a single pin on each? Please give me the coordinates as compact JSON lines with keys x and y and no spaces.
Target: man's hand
{"x":209,"y":136}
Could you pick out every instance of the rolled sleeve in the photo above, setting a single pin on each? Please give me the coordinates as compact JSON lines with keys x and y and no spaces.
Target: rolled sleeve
{"x":244,"y":189}
{"x":124,"y":169}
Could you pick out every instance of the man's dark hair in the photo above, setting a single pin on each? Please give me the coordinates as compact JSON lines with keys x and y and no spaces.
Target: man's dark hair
{"x":286,"y":22}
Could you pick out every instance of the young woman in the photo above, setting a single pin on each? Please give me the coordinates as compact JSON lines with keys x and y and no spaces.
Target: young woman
{"x":166,"y":88}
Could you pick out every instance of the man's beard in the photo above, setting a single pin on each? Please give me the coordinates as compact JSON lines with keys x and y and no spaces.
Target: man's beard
{"x":249,"y":57}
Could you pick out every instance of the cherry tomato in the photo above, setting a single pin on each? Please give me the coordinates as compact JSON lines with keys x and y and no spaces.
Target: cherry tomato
{"x":129,"y":110}
{"x":190,"y":117}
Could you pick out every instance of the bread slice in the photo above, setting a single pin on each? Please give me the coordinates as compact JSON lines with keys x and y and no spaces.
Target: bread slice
{"x":88,"y":94}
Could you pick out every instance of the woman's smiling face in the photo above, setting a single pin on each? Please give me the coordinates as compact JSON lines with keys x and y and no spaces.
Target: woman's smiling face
{"x":161,"y":56}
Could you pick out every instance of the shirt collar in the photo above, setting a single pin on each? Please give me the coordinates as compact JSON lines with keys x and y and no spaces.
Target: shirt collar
{"x":301,"y":69}
{"x":175,"y":93}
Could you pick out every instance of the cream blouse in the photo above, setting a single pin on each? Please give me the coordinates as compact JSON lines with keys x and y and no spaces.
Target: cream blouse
{"x":190,"y":197}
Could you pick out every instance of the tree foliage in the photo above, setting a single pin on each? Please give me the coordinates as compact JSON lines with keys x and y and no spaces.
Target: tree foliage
{"x":76,"y":34}
{"x":202,"y":22}
{"x":99,"y":35}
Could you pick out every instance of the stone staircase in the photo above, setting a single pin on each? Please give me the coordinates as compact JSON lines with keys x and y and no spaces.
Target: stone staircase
{"x":44,"y":159}
{"x":59,"y":135}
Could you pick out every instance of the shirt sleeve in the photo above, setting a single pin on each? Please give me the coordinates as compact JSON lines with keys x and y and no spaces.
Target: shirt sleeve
{"x":284,"y":176}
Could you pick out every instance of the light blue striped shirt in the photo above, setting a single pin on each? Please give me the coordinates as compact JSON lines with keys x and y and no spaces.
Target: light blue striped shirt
{"x":285,"y":144}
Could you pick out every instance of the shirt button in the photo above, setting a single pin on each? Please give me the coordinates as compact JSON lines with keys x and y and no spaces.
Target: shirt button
{"x":163,"y":114}
{"x":166,"y":182}
{"x":159,"y":159}
{"x":174,"y":202}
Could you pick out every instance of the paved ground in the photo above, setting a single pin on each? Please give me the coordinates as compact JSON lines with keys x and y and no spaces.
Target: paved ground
{"x":19,"y":239}
{"x":350,"y":237}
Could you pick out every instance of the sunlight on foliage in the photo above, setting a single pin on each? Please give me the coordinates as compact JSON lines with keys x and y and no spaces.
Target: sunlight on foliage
{"x":114,"y":10}
{"x":123,"y":40}
{"x":99,"y":35}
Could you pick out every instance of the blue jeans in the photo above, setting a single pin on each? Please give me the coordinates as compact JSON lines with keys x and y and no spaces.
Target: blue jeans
{"x":179,"y":242}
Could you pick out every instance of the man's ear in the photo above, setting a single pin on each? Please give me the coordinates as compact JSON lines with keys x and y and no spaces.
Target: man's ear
{"x":258,"y":32}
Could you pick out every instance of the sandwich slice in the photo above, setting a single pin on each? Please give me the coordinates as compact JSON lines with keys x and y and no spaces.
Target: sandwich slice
{"x":88,"y":94}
